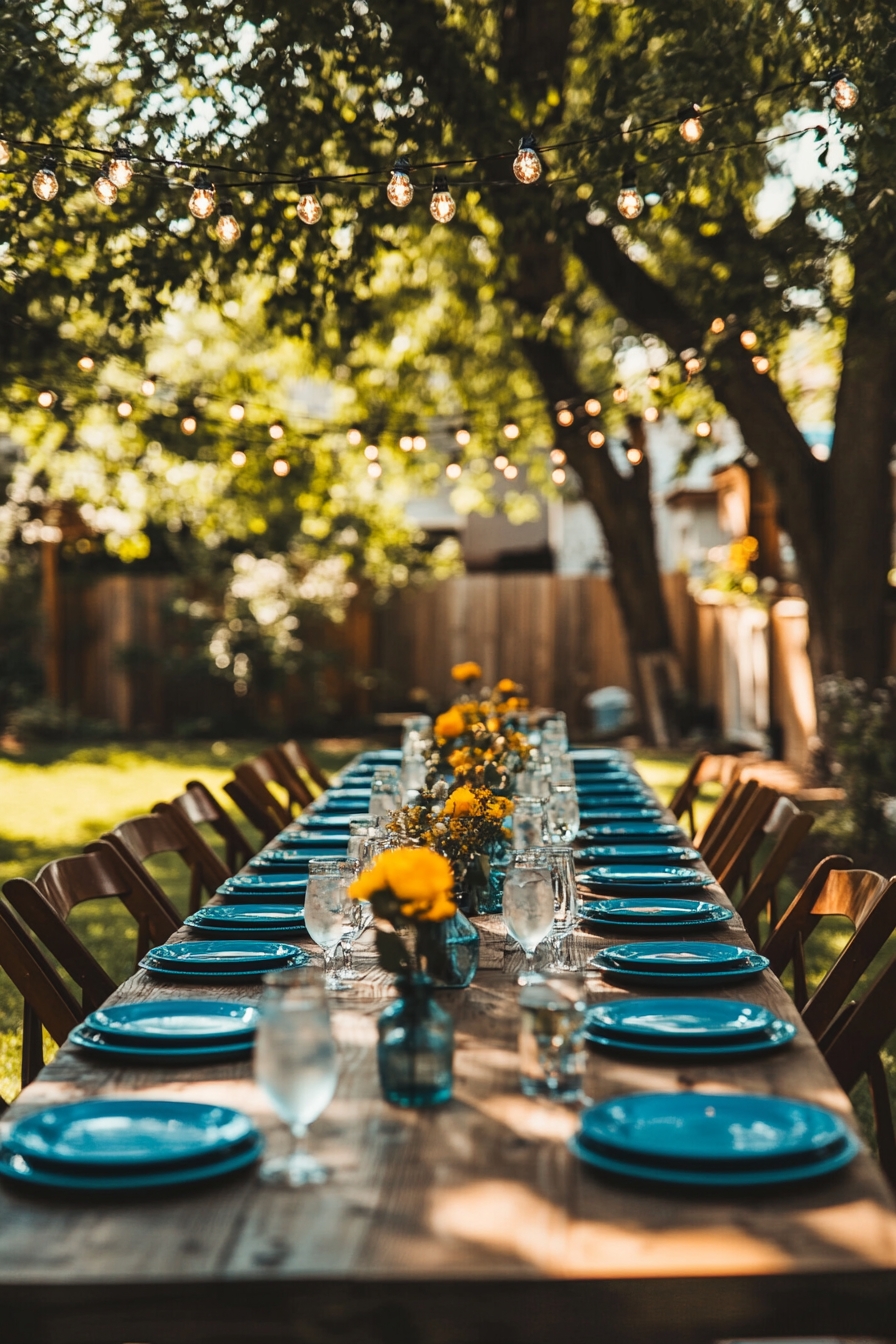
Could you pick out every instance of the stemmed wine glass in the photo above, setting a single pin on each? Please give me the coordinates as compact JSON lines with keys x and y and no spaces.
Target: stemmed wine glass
{"x":325,"y":900}
{"x":296,"y":1066}
{"x":528,"y":905}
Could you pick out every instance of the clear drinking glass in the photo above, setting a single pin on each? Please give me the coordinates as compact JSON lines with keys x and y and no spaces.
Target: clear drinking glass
{"x":563,"y":813}
{"x":528,"y":907}
{"x":552,"y":1036}
{"x":528,"y":822}
{"x":325,"y":899}
{"x":296,"y":1066}
{"x":415,"y":726}
{"x":358,"y":831}
{"x":385,"y":793}
{"x":559,"y":860}
{"x":353,"y":924}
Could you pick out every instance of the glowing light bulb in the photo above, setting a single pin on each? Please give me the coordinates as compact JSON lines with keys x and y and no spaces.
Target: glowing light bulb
{"x":281,"y":467}
{"x":558,"y":476}
{"x":44,"y":183}
{"x":442,"y":207}
{"x":227,"y":227}
{"x":202,"y":201}
{"x":374,"y":470}
{"x":237,"y":411}
{"x":691,"y":128}
{"x":238,"y":457}
{"x":121,"y":169}
{"x":761,"y":364}
{"x":653,"y":382}
{"x":592,"y":406}
{"x":188,"y":424}
{"x":510,"y":472}
{"x":501,"y":461}
{"x":371,"y":452}
{"x":400,"y":191}
{"x":462,"y":437}
{"x":453,"y":471}
{"x":558,"y":457}
{"x":596,"y":439}
{"x":148,"y":387}
{"x":749,"y":340}
{"x":46,"y":399}
{"x":511,"y":430}
{"x":703,"y":429}
{"x":843,"y":91}
{"x":308,"y":208}
{"x":635,"y":456}
{"x":629,"y":202}
{"x":276,"y":430}
{"x":86,"y":363}
{"x":620,"y":394}
{"x":355,"y":436}
{"x":418,"y":443}
{"x":651,"y":414}
{"x":565,"y":417}
{"x":527,"y":164}
{"x":693,"y":365}
{"x":717,"y":326}
{"x":405,"y":443}
{"x":104,"y":189}
{"x":4,"y":152}
{"x":124,"y":409}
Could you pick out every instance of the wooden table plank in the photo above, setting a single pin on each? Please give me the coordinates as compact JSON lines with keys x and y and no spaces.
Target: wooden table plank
{"x":468,"y":1222}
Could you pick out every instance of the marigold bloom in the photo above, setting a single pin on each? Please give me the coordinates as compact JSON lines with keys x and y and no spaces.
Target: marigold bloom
{"x":506,"y":686}
{"x":450,"y":724}
{"x":466,"y":671}
{"x":460,"y":802}
{"x":420,"y":880}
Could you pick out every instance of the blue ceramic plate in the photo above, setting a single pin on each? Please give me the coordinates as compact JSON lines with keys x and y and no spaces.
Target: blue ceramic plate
{"x":604,"y":815}
{"x":641,"y":854}
{"x":287,"y":861}
{"x":709,"y":975}
{"x":596,"y":754}
{"x":339,"y":808}
{"x":246,"y":916}
{"x":779,"y":1034}
{"x":676,"y":957}
{"x":124,"y":1132}
{"x":718,"y":1179}
{"x":622,"y":832}
{"x":648,"y":914}
{"x":294,"y":838}
{"x":246,"y":954}
{"x":17,"y":1168}
{"x":706,"y":1130}
{"x":260,"y":885}
{"x":382,"y":756}
{"x":174,"y":1054}
{"x":634,"y":878}
{"x":319,"y":821}
{"x":694,"y":1021}
{"x":211,"y":975}
{"x":189,"y":1021}
{"x":342,"y":790}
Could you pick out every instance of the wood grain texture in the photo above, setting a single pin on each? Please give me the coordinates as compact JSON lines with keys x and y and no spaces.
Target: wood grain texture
{"x":467,"y":1223}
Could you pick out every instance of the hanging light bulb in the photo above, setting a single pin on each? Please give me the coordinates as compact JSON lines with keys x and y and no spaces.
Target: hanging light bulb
{"x":620,"y":394}
{"x":405,"y":443}
{"x":400,"y":190}
{"x":44,"y":183}
{"x":596,"y":439}
{"x":693,"y":365}
{"x":120,"y":169}
{"x":629,"y":202}
{"x":281,"y":467}
{"x":202,"y":201}
{"x":4,"y":152}
{"x":442,"y":207}
{"x":761,"y":363}
{"x":374,"y":470}
{"x":749,"y":340}
{"x":188,"y":424}
{"x":148,"y":387}
{"x":418,"y":443}
{"x":86,"y":363}
{"x":558,"y":476}
{"x":592,"y":406}
{"x":843,"y":91}
{"x":124,"y":409}
{"x":238,"y":457}
{"x":308,"y":208}
{"x":558,"y":457}
{"x":511,"y":472}
{"x":454,"y":471}
{"x":717,"y":326}
{"x":355,"y":436}
{"x":276,"y":430}
{"x":565,"y":417}
{"x":527,"y":164}
{"x":371,"y":452}
{"x":653,"y":382}
{"x":635,"y":456}
{"x":227,"y":228}
{"x":46,"y":399}
{"x":104,"y":189}
{"x":501,"y":461}
{"x":651,"y":414}
{"x":691,"y":128}
{"x":511,"y":430}
{"x":237,"y":411}
{"x":462,"y":437}
{"x":703,"y":429}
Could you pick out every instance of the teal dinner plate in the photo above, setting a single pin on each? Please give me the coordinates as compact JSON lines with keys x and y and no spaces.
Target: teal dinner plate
{"x":227,"y":920}
{"x":316,"y":821}
{"x":591,"y":816}
{"x":212,"y":975}
{"x":27,"y":1172}
{"x":712,"y":1130}
{"x":638,"y":853}
{"x":668,"y":956}
{"x":246,"y":954}
{"x":751,"y":1179}
{"x":680,"y":978}
{"x":624,"y":832}
{"x":260,"y":886}
{"x":681,"y":1020}
{"x":176,"y":1053}
{"x":290,"y":861}
{"x":631,"y":879}
{"x":127,"y":1133}
{"x":597,"y":754}
{"x":381,"y":756}
{"x":648,"y":914}
{"x":294,"y":838}
{"x":175,"y":1022}
{"x":778,"y":1035}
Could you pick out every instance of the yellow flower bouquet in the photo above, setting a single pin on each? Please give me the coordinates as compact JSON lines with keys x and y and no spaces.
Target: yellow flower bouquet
{"x":408,"y":888}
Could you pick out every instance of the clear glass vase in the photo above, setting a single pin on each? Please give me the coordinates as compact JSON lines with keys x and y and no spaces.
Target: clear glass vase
{"x":415,"y":1053}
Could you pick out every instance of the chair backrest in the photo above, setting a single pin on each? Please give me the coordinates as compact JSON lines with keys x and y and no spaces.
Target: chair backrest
{"x":729,"y":808}
{"x":167,"y":831}
{"x":742,"y":838}
{"x":48,"y":1001}
{"x":705,"y":768}
{"x":761,"y":894}
{"x":852,"y":1046}
{"x":38,"y":915}
{"x":101,"y":871}
{"x":292,"y":781}
{"x":199,"y":805}
{"x":867,"y":900}
{"x":255,"y":809}
{"x":300,"y":761}
{"x":258,"y":775}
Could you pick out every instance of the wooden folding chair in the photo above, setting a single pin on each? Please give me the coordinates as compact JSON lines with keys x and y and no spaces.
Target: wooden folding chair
{"x":38,"y":915}
{"x":254,"y":778}
{"x":867,"y":900}
{"x":302,"y":763}
{"x":729,"y":809}
{"x":737,"y":847}
{"x":790,"y":826}
{"x":292,"y":781}
{"x":101,"y":872}
{"x":167,"y":831}
{"x":48,"y":1001}
{"x":704,"y":769}
{"x":200,"y":806}
{"x":852,"y":1046}
{"x":254,"y":809}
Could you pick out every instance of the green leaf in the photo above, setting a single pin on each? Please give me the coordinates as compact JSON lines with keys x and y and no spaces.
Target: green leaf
{"x":391,"y":952}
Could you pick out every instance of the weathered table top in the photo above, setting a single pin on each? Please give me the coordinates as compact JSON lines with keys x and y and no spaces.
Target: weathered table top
{"x":467,"y":1223}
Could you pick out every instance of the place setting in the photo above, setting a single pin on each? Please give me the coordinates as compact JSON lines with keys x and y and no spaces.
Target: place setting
{"x":677,"y":965}
{"x":686,"y":1029}
{"x":172,"y":1032}
{"x":294,"y":860}
{"x":606,"y":813}
{"x":612,"y":879}
{"x":651,"y":915}
{"x":240,"y":921}
{"x":633,"y":830}
{"x":229,"y":960}
{"x":255,"y":888}
{"x":638,"y":854}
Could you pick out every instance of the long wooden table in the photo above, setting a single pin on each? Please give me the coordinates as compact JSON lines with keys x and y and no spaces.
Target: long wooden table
{"x":468,"y":1224}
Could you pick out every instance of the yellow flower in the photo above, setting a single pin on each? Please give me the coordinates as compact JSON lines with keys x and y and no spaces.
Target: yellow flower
{"x":458,"y":758}
{"x":420,"y":880}
{"x":506,"y":686}
{"x":450,"y":724}
{"x":499,"y":808}
{"x":460,"y":802}
{"x":466,"y":671}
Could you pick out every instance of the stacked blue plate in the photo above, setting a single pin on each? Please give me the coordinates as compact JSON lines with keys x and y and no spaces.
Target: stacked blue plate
{"x":293,"y":860}
{"x":323,"y":821}
{"x":252,"y":888}
{"x":179,"y":1031}
{"x":111,"y":1145}
{"x":638,"y":853}
{"x":713,"y":1139}
{"x":599,"y":755}
{"x":602,"y":814}
{"x":631,"y":832}
{"x":314,"y":844}
{"x":244,"y":921}
{"x":632,"y":879}
{"x":382,"y":756}
{"x":332,"y":806}
{"x":229,"y":961}
{"x":651,"y":915}
{"x":686,"y":1028}
{"x":678,"y":965}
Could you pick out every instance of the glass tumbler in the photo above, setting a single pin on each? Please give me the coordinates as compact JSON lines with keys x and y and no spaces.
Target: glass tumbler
{"x":552,"y":1036}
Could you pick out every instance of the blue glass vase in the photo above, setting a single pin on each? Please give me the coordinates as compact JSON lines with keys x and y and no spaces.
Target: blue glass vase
{"x":451,"y":949}
{"x":415,"y":1053}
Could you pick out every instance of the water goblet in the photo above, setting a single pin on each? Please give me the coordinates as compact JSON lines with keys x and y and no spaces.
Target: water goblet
{"x":563,"y":813}
{"x":528,"y":822}
{"x":385,"y":793}
{"x":358,"y":831}
{"x":296,"y":1066}
{"x":528,"y":907}
{"x":325,"y":898}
